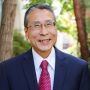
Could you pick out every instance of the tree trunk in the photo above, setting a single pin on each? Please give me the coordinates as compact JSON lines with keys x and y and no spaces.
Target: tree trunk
{"x":83,"y":14}
{"x":6,"y":29}
{"x":81,"y":30}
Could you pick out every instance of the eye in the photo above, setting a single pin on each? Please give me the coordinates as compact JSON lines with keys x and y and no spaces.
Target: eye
{"x":36,"y":25}
{"x":49,"y":24}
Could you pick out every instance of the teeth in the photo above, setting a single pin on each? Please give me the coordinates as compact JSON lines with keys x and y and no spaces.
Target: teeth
{"x":44,"y":40}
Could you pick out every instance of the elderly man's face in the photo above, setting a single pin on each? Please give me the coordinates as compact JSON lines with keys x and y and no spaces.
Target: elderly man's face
{"x":42,"y":37}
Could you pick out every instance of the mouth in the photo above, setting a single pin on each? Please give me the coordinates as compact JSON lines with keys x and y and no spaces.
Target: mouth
{"x":46,"y":40}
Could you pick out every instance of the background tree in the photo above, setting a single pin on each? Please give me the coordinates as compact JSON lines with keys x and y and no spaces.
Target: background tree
{"x":6,"y":29}
{"x":81,"y":27}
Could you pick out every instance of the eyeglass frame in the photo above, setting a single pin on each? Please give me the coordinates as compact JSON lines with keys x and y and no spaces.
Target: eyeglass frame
{"x":54,"y":24}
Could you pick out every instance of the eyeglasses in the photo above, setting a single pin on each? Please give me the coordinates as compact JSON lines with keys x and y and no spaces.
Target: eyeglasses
{"x":37,"y":25}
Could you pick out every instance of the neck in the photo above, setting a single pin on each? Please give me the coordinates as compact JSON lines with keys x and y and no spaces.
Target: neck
{"x":44,"y":54}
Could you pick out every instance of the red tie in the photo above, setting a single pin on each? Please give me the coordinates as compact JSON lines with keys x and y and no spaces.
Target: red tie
{"x":44,"y":81}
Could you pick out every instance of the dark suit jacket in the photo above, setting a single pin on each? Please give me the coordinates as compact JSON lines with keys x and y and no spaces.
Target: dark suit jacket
{"x":18,"y":73}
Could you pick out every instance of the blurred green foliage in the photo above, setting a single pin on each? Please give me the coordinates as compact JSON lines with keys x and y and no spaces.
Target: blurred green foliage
{"x":74,"y":50}
{"x":88,"y":28}
{"x":20,"y":45}
{"x":32,"y":2}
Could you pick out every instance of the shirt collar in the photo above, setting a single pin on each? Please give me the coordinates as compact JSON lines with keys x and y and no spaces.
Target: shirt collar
{"x":38,"y":59}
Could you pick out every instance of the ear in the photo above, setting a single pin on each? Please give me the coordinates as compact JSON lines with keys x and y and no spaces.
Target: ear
{"x":26,"y":33}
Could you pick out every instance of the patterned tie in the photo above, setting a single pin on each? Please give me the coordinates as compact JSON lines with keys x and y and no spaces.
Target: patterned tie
{"x":44,"y":81}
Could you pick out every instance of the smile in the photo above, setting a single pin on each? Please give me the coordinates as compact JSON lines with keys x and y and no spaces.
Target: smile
{"x":44,"y":40}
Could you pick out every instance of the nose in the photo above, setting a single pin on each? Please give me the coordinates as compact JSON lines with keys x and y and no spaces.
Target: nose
{"x":44,"y":31}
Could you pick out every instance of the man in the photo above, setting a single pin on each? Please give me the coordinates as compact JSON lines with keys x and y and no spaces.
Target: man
{"x":25,"y":71}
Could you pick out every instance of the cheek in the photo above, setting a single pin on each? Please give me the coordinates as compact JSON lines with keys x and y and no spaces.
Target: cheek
{"x":54,"y":36}
{"x":33,"y":35}
{"x":54,"y":33}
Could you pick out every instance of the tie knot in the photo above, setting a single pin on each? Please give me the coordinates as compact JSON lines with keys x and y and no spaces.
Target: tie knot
{"x":44,"y":64}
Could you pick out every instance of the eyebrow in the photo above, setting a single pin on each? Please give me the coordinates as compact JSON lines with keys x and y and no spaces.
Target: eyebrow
{"x":36,"y":22}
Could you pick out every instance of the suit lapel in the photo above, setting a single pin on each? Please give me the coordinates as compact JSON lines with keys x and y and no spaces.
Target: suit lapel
{"x":60,"y":70}
{"x":29,"y":71}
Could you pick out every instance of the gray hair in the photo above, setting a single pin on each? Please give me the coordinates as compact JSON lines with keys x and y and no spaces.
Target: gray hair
{"x":35,"y":6}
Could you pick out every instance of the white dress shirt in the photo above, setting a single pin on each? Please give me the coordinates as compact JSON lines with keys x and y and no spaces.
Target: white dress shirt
{"x":51,"y":65}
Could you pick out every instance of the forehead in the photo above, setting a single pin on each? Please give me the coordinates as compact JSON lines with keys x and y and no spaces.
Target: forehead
{"x":40,"y":15}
